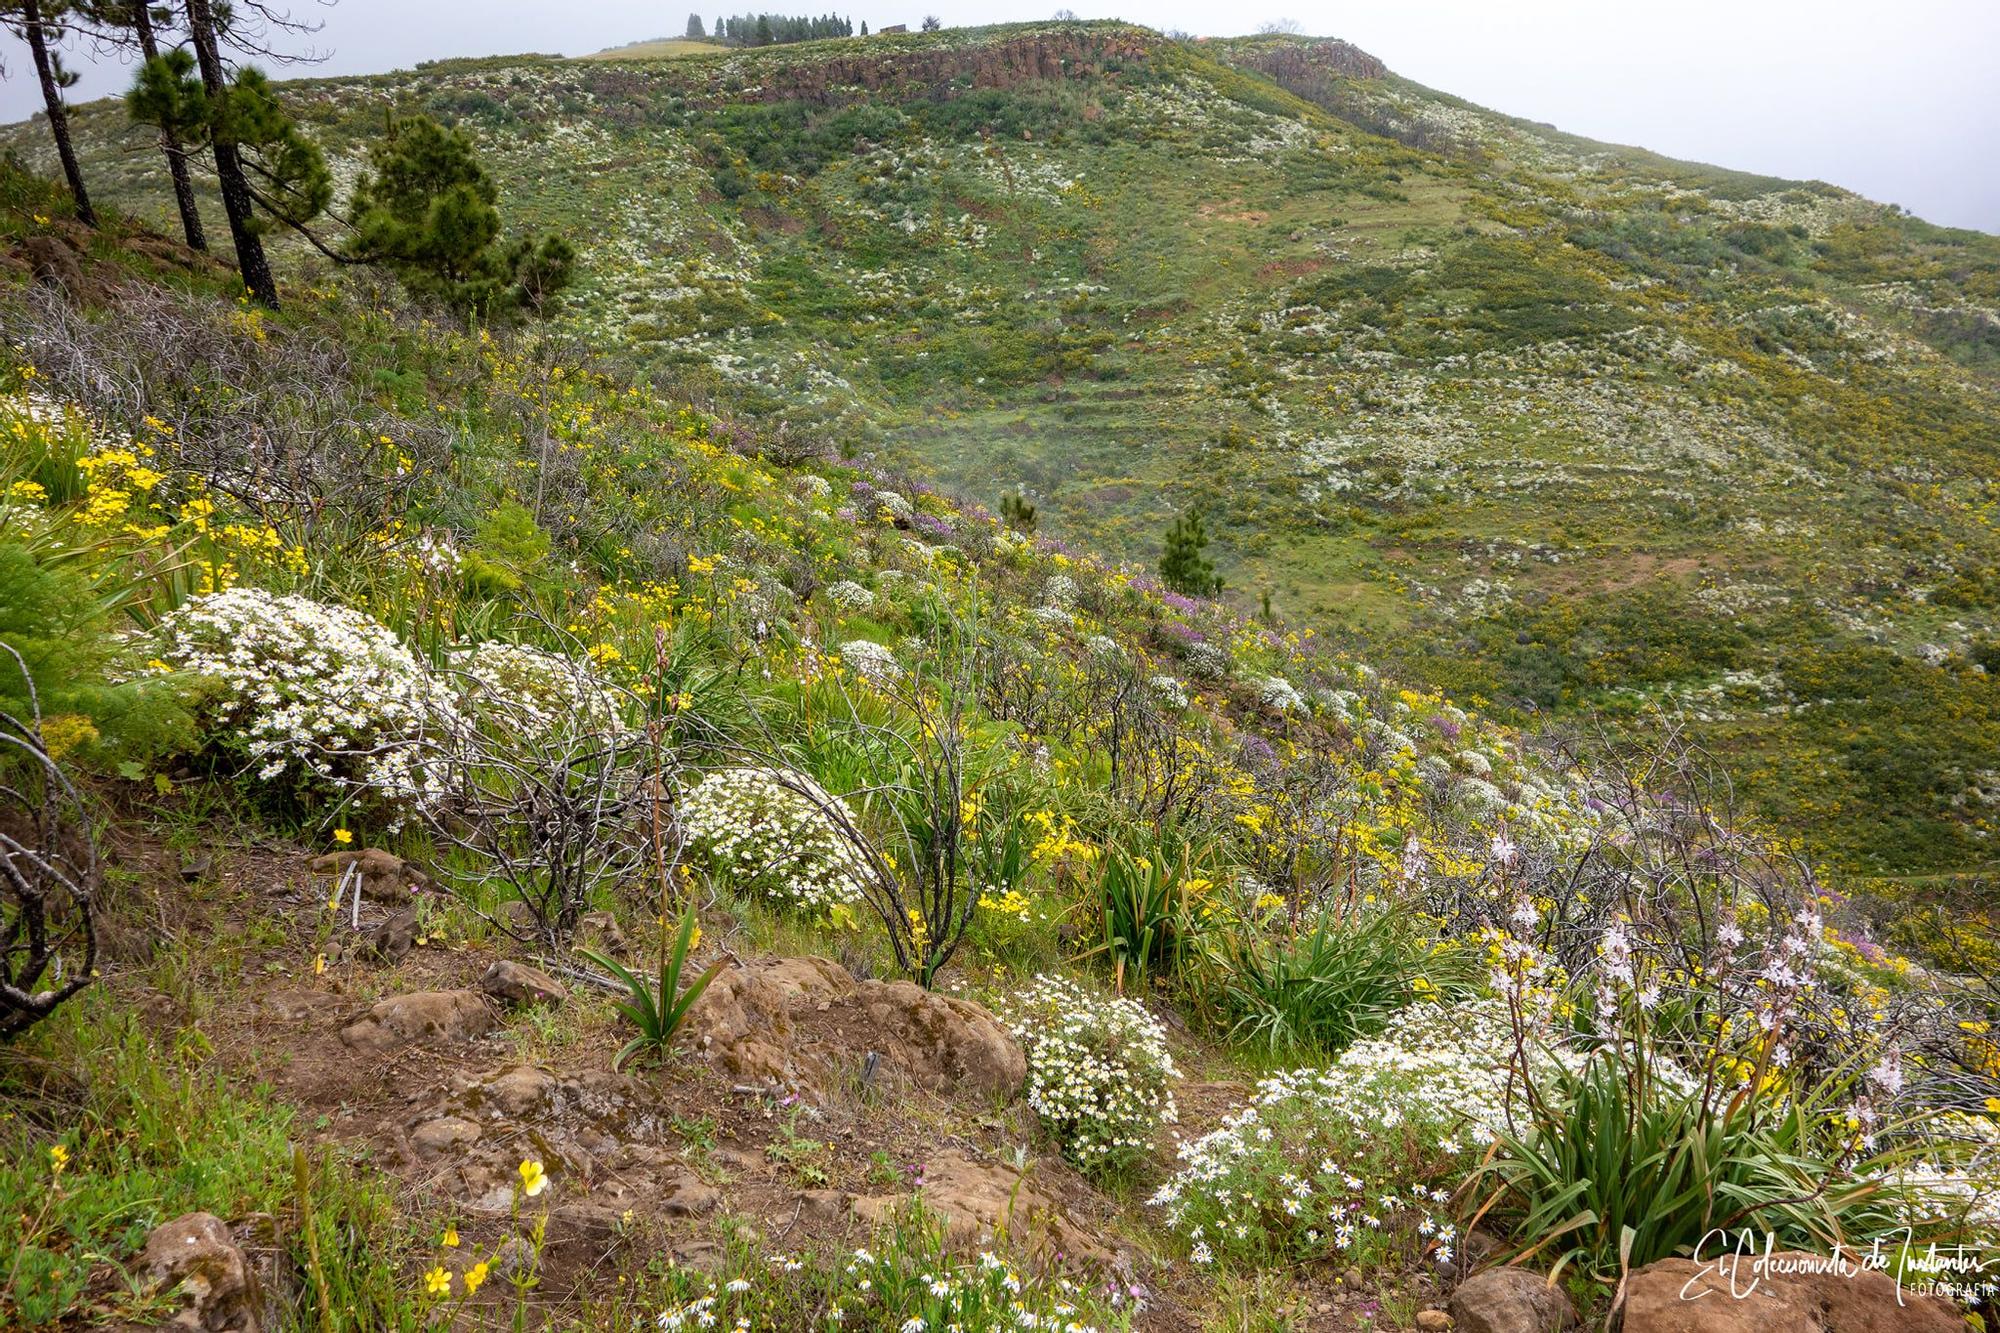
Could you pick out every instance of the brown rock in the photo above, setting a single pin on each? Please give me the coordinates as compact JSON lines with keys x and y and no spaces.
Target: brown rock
{"x":442,"y":1134}
{"x":689,"y":1197}
{"x":976,"y":1200}
{"x":385,"y":877}
{"x":1511,"y":1300}
{"x":517,"y":1090}
{"x":1433,"y":1321}
{"x":947,"y":1042}
{"x":219,"y":1292}
{"x":518,"y":983}
{"x":54,"y":264}
{"x":442,"y":1015}
{"x":390,"y":940}
{"x":1758,"y":1295}
{"x":795,"y":1022}
{"x":599,"y":931}
{"x":745,"y":1017}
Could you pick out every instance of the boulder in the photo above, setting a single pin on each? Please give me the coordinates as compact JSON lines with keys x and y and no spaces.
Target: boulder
{"x":517,"y":1090}
{"x":599,"y":931}
{"x":196,"y":1254}
{"x":794,"y":1022}
{"x":745,"y":1019}
{"x":976,"y":1199}
{"x":443,"y":1134}
{"x":389,"y":940}
{"x":442,"y":1015}
{"x":54,"y":264}
{"x":946,"y":1042}
{"x":1511,"y":1300}
{"x":385,"y":876}
{"x":1787,"y":1292}
{"x":517,"y":983}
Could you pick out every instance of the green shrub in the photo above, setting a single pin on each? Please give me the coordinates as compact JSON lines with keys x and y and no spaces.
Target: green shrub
{"x":1320,"y":991}
{"x":1621,"y":1162}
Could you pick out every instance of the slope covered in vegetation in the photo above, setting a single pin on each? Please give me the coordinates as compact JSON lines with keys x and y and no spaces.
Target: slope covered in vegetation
{"x":553,"y":827}
{"x":1557,"y":424}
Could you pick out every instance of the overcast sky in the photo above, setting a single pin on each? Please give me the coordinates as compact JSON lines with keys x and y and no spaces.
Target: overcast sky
{"x":1899,"y":101}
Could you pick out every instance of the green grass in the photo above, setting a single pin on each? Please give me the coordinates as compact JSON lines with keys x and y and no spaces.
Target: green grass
{"x":147,"y":1128}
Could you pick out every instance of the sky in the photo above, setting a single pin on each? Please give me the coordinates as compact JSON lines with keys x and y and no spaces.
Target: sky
{"x":1898,"y":102}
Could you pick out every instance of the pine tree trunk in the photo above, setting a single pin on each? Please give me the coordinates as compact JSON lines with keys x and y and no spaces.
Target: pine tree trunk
{"x":38,"y":44}
{"x":236,"y":201}
{"x":170,"y":144}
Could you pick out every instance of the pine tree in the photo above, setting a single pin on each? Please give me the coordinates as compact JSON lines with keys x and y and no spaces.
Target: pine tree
{"x":1183,"y":566}
{"x":140,"y":17}
{"x":428,"y":211}
{"x":694,"y":30}
{"x":763,"y":34}
{"x":283,"y":175}
{"x":39,"y":24}
{"x":238,"y":204}
{"x":864,"y":27}
{"x":1018,"y":512}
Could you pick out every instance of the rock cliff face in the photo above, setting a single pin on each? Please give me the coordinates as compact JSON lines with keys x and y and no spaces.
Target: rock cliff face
{"x":933,"y":71}
{"x":1300,"y":66}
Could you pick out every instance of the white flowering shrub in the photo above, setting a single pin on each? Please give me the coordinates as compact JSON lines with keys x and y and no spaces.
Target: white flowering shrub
{"x":850,"y":596}
{"x":871,"y":661}
{"x":317,"y":692}
{"x":1277,"y":694}
{"x":772,"y":840}
{"x":1099,"y":1073}
{"x":507,"y":688}
{"x":1357,"y":1158}
{"x":1169,"y":691}
{"x":1205,"y":661}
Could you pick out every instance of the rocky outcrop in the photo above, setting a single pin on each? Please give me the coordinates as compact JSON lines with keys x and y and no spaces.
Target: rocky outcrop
{"x":520,"y":984}
{"x":805,"y":1023}
{"x":1308,"y":64}
{"x":385,"y":877}
{"x":219,"y":1290}
{"x":443,"y":1015}
{"x":857,"y":71}
{"x":978,"y":1200}
{"x":1786,"y":1293}
{"x":1511,"y":1300}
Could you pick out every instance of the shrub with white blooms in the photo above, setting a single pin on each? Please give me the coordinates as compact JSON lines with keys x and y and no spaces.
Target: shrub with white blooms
{"x":1099,"y":1074}
{"x":771,"y":835}
{"x":322,"y":692}
{"x":850,"y":596}
{"x":1359,"y":1156}
{"x":871,"y":661}
{"x":508,"y":688}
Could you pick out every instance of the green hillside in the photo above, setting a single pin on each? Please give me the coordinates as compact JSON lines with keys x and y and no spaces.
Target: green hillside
{"x":1550,"y":423}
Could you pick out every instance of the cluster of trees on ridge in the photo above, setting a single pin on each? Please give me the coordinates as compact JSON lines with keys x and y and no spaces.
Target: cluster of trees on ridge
{"x":426,"y":210}
{"x":772,"y":29}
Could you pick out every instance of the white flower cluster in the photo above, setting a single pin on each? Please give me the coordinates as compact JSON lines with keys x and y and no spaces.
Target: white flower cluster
{"x":318,"y":691}
{"x":850,"y":596}
{"x":1321,"y":1157}
{"x":772,"y":834}
{"x":871,"y":661}
{"x":1278,"y":694}
{"x":1099,"y":1072}
{"x":511,"y":689}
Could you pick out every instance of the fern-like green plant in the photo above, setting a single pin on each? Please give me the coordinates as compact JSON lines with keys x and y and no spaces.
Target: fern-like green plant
{"x":658,"y":1012}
